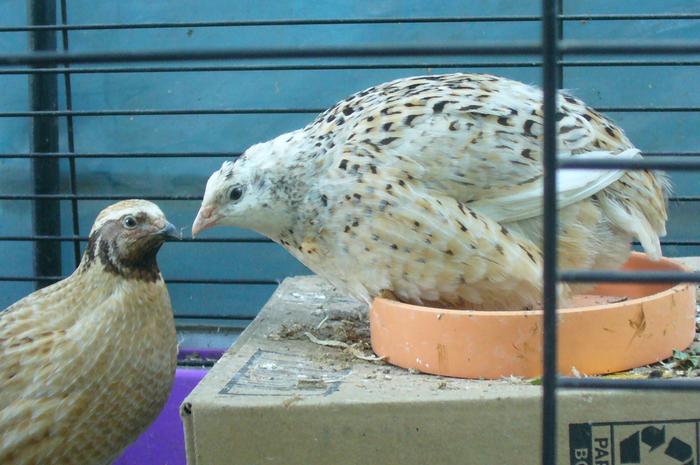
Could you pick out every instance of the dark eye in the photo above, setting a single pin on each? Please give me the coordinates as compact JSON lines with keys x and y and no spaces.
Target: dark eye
{"x":235,"y":193}
{"x":129,"y":222}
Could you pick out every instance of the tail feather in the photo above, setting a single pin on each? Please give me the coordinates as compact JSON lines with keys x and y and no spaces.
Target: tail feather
{"x":632,"y":220}
{"x":637,"y":204}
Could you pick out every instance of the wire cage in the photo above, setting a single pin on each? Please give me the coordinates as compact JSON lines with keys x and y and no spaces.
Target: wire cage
{"x":60,"y":210}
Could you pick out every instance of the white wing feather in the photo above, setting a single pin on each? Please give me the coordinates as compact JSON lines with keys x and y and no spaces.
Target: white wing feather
{"x":572,"y":186}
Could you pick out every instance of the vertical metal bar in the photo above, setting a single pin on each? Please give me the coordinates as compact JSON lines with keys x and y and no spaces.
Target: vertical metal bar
{"x":560,"y":35}
{"x":73,"y":180}
{"x":43,"y":95}
{"x":549,"y":377}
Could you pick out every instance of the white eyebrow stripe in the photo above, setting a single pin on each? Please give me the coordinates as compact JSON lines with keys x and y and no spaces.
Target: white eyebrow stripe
{"x":133,"y":207}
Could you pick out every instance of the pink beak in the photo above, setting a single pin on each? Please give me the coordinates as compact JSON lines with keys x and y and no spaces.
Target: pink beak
{"x":207,"y":218}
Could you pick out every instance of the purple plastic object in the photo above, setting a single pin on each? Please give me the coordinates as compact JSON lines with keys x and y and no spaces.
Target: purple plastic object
{"x":164,"y":442}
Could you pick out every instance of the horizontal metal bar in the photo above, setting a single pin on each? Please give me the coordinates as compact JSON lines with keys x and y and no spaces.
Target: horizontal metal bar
{"x":125,"y":155}
{"x":257,"y":240}
{"x":648,"y":109}
{"x":679,"y":242}
{"x":671,"y":154}
{"x":212,"y":154}
{"x":638,"y":164}
{"x":300,"y":67}
{"x":36,"y":58}
{"x":156,"y":112}
{"x":185,"y":323}
{"x":247,"y":282}
{"x":97,"y":197}
{"x":688,"y":198}
{"x":196,"y":363}
{"x":498,"y":48}
{"x":678,"y":384}
{"x":350,"y":21}
{"x":626,"y":47}
{"x":589,"y":276}
{"x":273,"y":22}
{"x":631,"y":17}
{"x":195,"y":316}
{"x":347,"y":66}
{"x":592,"y":63}
{"x":266,"y":111}
{"x":243,"y":240}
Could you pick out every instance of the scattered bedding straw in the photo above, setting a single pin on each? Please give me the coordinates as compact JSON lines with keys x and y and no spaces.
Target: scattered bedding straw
{"x":351,"y":348}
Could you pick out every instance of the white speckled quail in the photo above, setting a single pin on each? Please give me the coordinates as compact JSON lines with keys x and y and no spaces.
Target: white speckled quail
{"x":430,"y":187}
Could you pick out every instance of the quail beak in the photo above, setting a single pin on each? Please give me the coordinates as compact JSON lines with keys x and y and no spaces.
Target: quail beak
{"x":207,"y":218}
{"x":169,"y":232}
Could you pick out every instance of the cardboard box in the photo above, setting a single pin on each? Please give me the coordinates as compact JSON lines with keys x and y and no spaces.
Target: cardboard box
{"x":278,"y":398}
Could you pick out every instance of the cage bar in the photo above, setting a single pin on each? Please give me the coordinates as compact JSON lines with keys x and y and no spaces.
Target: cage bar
{"x":550,"y":79}
{"x":73,"y":177}
{"x":255,"y":111}
{"x":573,"y":164}
{"x":353,"y":21}
{"x":573,"y":47}
{"x":629,"y":384}
{"x":595,"y":276}
{"x":348,"y":66}
{"x":247,"y":282}
{"x":43,"y":96}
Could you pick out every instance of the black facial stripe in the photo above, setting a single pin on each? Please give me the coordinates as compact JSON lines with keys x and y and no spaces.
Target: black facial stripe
{"x":137,"y":262}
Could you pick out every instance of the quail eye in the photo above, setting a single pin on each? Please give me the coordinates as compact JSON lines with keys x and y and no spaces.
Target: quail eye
{"x":235,"y":193}
{"x":129,"y":222}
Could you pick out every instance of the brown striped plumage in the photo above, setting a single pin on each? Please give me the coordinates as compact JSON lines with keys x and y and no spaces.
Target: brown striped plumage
{"x":87,"y":363}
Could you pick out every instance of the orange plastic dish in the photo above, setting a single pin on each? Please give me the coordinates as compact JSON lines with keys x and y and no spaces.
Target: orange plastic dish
{"x":655,"y":319}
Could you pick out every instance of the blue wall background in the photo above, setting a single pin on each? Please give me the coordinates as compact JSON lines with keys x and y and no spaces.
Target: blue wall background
{"x":629,"y":86}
